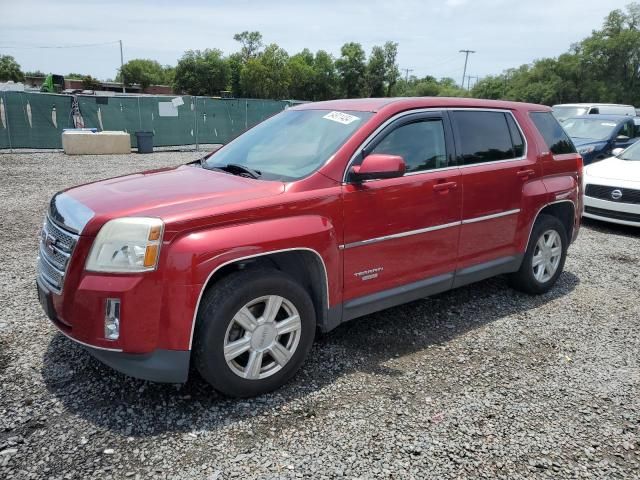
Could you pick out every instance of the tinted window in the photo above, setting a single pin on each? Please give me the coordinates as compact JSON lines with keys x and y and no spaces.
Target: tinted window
{"x":553,"y":134}
{"x":420,"y":143}
{"x":627,"y":130}
{"x":484,"y":136}
{"x":516,"y":136}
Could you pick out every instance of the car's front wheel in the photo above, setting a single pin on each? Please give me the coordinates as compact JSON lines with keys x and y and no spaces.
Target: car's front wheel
{"x":545,"y":256}
{"x":253,"y":332}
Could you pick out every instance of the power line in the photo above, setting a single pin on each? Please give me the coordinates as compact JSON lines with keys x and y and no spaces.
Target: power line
{"x":466,"y":59}
{"x":407,"y":70}
{"x":60,"y":46}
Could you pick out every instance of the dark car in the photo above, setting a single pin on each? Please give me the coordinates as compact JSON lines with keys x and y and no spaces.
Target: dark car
{"x":595,"y":136}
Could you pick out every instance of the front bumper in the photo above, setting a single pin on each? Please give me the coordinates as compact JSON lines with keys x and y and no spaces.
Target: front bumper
{"x":614,"y":212}
{"x":158,"y":365}
{"x":166,"y":366}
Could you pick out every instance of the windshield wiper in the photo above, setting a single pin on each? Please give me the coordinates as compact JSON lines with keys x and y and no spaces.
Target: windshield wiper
{"x":237,"y":169}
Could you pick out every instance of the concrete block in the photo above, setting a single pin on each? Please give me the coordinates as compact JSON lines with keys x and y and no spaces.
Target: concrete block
{"x":79,"y":142}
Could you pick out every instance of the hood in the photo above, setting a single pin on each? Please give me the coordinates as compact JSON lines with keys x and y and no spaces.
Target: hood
{"x":615,"y":169}
{"x":169,"y":193}
{"x":585,"y":142}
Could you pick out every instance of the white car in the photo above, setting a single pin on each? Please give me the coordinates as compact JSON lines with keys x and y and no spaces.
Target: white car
{"x":612,"y":188}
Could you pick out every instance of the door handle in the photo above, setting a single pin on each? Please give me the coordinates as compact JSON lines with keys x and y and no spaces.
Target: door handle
{"x":444,"y":186}
{"x":526,"y":173}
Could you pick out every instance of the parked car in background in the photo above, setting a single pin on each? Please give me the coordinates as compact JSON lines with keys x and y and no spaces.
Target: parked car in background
{"x":321,"y":214}
{"x":568,"y":110}
{"x":595,"y":136}
{"x":612,"y":188}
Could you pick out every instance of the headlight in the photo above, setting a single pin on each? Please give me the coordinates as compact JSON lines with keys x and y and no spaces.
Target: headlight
{"x":130,"y":244}
{"x":586,"y":150}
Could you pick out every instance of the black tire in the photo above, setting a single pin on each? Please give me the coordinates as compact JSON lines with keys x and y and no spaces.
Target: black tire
{"x":524,"y":279}
{"x":221,"y":303}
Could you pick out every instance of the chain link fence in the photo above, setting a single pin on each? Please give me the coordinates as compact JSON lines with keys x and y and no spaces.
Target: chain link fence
{"x":37,"y":120}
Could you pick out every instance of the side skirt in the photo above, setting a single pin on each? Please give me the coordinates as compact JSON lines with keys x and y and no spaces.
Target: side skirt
{"x":359,"y":307}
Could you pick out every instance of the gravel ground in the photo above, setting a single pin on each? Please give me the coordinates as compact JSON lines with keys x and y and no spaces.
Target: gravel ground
{"x":481,"y":382}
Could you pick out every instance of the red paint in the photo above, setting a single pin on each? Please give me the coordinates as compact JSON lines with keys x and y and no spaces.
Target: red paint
{"x":213,"y":218}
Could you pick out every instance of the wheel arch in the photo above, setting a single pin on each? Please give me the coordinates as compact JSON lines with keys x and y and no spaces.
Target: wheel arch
{"x":563,"y":210}
{"x":304,"y":264}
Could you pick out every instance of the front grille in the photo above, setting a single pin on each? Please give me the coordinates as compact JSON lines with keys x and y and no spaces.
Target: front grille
{"x":603,"y":192}
{"x":601,"y":212}
{"x":56,"y":247}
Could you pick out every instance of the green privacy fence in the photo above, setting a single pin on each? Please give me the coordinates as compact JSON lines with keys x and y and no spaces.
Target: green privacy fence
{"x":36,"y":120}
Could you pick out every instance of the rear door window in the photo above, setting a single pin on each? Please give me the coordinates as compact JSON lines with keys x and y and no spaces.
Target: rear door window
{"x":483,"y":136}
{"x":554,"y":135}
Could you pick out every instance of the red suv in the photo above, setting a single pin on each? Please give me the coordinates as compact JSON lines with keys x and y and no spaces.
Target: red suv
{"x":323,"y":213}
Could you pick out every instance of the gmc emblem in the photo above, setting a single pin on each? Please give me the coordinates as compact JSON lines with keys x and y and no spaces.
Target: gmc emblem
{"x":49,"y":242}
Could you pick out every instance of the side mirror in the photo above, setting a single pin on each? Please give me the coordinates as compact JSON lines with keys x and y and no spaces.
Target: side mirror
{"x":617,"y":151}
{"x":377,"y":166}
{"x":622,"y":138}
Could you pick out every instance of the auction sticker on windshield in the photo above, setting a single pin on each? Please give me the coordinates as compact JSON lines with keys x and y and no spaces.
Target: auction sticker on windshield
{"x":608,"y":124}
{"x":340,"y":117}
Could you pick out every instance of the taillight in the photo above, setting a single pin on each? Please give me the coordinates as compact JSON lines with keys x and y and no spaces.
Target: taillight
{"x":580,"y":167}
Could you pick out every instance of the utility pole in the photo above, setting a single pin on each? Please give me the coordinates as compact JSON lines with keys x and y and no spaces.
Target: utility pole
{"x":121,"y":65}
{"x":406,"y":76}
{"x":466,"y":59}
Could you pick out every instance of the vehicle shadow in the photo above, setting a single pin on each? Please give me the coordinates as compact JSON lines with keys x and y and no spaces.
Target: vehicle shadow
{"x":132,"y":407}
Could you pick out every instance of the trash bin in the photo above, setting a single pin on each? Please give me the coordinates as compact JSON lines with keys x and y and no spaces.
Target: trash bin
{"x":145,"y":142}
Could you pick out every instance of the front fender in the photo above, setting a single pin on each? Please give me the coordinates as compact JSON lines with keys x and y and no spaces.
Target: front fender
{"x":192,"y":259}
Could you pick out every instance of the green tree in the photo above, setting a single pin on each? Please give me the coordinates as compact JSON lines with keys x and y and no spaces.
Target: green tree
{"x":10,"y":69}
{"x":75,"y":76}
{"x":251,"y":44}
{"x":267,"y":75}
{"x":203,"y":72}
{"x":352,"y":70}
{"x":391,"y":70}
{"x":491,"y":87}
{"x":90,"y":83}
{"x":429,"y":86}
{"x":604,"y":67}
{"x":143,"y":72}
{"x":168,"y":75}
{"x":325,"y":77}
{"x":252,"y":77}
{"x":301,"y":75}
{"x":236,"y":63}
{"x":36,"y":73}
{"x":612,"y":57}
{"x":376,"y":73}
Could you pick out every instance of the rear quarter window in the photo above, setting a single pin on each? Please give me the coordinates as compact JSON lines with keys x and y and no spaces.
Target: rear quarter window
{"x":484,"y":137}
{"x":554,"y":135}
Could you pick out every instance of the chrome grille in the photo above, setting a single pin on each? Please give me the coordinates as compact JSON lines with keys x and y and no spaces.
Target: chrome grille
{"x":56,"y":247}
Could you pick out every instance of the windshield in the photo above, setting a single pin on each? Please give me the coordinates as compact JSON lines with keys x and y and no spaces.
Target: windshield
{"x":631,"y":153}
{"x":290,"y":145}
{"x":562,"y":113}
{"x":591,"y":128}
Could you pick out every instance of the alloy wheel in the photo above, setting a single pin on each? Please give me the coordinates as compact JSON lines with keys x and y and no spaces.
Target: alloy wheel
{"x":547,"y":256}
{"x":262,"y":337}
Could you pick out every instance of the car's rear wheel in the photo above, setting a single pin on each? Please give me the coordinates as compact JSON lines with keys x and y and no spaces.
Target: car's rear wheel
{"x":253,"y":332}
{"x":545,"y":256}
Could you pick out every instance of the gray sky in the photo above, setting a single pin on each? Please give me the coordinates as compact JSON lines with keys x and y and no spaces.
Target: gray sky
{"x":505,"y":33}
